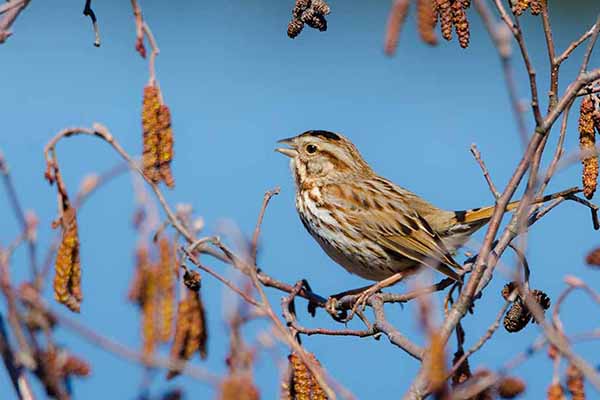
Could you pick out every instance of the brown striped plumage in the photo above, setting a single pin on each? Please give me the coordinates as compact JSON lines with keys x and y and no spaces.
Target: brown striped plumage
{"x":364,"y":222}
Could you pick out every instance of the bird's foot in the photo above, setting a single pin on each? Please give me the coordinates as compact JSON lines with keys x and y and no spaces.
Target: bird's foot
{"x":333,"y":308}
{"x":365,"y":295}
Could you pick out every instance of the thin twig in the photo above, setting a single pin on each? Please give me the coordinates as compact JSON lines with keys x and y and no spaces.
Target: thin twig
{"x":9,"y":12}
{"x":487,"y":336}
{"x":575,"y":44}
{"x":88,"y":12}
{"x":590,"y":46}
{"x":19,"y":213}
{"x":485,"y":171}
{"x":15,"y":371}
{"x":254,"y":246}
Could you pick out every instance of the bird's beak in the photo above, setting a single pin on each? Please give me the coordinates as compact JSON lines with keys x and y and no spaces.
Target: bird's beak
{"x":290,"y":152}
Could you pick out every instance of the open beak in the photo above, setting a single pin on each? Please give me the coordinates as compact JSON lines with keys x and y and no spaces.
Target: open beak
{"x":290,"y":152}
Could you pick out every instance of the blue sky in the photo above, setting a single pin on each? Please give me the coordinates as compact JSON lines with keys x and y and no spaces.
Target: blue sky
{"x":235,"y":84}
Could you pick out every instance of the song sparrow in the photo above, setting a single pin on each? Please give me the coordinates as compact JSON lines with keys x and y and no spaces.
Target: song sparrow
{"x":364,"y":222}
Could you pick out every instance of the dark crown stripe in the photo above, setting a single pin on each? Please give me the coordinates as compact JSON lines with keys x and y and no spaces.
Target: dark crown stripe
{"x":324,"y":134}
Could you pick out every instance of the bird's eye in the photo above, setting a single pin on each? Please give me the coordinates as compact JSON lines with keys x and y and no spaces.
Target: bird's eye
{"x":311,"y":148}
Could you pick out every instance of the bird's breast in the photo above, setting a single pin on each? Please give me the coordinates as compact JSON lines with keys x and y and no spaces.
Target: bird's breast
{"x":342,"y":242}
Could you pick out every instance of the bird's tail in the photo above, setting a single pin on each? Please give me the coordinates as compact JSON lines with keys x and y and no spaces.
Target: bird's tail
{"x":480,"y":216}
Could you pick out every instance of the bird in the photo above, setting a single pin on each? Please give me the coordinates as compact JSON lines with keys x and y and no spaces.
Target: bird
{"x":366,"y":223}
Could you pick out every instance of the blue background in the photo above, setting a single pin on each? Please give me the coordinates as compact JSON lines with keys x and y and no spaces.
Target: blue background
{"x":235,"y":84}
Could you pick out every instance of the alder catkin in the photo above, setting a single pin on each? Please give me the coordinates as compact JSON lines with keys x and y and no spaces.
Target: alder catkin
{"x":142,"y":263}
{"x":556,"y":392}
{"x":191,"y":333}
{"x":149,"y":312}
{"x":461,"y":24}
{"x":593,"y":258}
{"x":67,"y":268}
{"x":166,"y":283}
{"x":151,"y":132}
{"x":510,"y":387}
{"x":445,"y":14}
{"x":518,"y":316}
{"x":238,"y":387}
{"x":426,"y":21}
{"x":520,"y":6}
{"x":320,"y":7}
{"x":437,"y":365}
{"x":463,"y":372}
{"x":396,"y":19}
{"x":537,"y":6}
{"x":165,"y":145}
{"x":575,"y":383}
{"x":303,"y":384}
{"x":294,"y":28}
{"x":157,"y":138}
{"x":74,"y":365}
{"x":587,"y":144}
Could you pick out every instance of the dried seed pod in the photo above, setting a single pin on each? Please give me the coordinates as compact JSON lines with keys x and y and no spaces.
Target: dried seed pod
{"x":182,"y":327}
{"x":552,"y":352}
{"x":510,"y":387}
{"x":303,"y":384}
{"x":575,"y":383}
{"x":541,"y":298}
{"x":74,"y":365}
{"x":238,"y":387}
{"x":136,"y":290}
{"x":508,"y":289}
{"x":311,"y":18}
{"x":151,"y":133}
{"x":67,"y":278}
{"x":300,"y":7}
{"x":294,"y":28}
{"x":49,"y":372}
{"x":191,"y":334}
{"x":593,"y":258}
{"x":517,"y":317}
{"x":320,"y":7}
{"x":197,"y":334}
{"x":463,"y":372}
{"x":587,"y":144}
{"x":437,"y":365}
{"x":445,"y":14}
{"x":166,"y":283}
{"x":487,"y":394}
{"x":396,"y":19}
{"x":461,"y":24}
{"x":165,"y":145}
{"x":556,"y":392}
{"x":537,"y":6}
{"x":519,"y":6}
{"x":465,"y":3}
{"x":426,"y":21}
{"x":311,"y":13}
{"x":192,"y":280}
{"x":149,"y":311}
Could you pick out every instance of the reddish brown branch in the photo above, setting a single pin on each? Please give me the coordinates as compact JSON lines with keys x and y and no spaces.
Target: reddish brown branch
{"x":9,"y":12}
{"x":254,"y":246}
{"x":26,"y":227}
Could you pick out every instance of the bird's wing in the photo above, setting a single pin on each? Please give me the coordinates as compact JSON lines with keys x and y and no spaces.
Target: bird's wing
{"x":385,"y":218}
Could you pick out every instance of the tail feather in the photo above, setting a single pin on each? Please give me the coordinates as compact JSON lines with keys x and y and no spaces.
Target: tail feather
{"x":479,"y":216}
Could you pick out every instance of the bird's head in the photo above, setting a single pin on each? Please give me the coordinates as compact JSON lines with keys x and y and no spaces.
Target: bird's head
{"x":322,"y":154}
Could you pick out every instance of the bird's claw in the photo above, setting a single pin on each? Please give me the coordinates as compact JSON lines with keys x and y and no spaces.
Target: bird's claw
{"x":361,"y":301}
{"x":332,"y":308}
